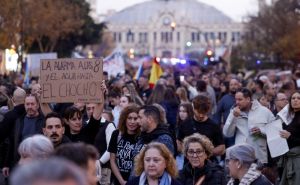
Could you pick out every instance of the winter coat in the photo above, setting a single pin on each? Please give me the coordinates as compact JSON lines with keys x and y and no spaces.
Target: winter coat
{"x":258,"y":116}
{"x":214,"y":174}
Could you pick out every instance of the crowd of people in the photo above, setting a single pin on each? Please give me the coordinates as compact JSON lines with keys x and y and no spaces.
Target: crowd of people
{"x":206,"y":129}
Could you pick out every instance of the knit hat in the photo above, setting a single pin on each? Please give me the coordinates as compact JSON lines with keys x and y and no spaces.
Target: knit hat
{"x":241,"y":152}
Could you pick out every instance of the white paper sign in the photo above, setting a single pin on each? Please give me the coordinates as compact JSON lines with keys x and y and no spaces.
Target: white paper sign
{"x":277,"y":145}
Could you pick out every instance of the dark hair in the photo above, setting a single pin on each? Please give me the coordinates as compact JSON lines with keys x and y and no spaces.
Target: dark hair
{"x":71,"y":111}
{"x":171,"y":97}
{"x":114,"y":93}
{"x":291,"y":110}
{"x":123,"y":117}
{"x":53,"y":115}
{"x":202,"y":104}
{"x":246,"y":93}
{"x":79,"y":153}
{"x":189,"y":109}
{"x":201,"y":86}
{"x":259,"y":83}
{"x":152,"y":111}
{"x":157,"y":95}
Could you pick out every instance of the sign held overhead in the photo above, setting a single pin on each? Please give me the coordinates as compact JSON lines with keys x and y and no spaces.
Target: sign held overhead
{"x":71,"y":80}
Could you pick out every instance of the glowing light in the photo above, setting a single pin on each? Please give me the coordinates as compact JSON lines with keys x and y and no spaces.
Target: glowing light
{"x":209,"y":52}
{"x":258,"y":62}
{"x":157,"y":59}
{"x":11,"y":59}
{"x":212,"y":59}
{"x":131,"y":51}
{"x":183,"y":61}
{"x":165,"y":60}
{"x":173,"y":25}
{"x":174,"y":61}
{"x":188,"y":44}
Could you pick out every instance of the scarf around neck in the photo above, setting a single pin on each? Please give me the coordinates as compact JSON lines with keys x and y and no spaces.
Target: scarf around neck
{"x":251,"y":175}
{"x":164,"y":180}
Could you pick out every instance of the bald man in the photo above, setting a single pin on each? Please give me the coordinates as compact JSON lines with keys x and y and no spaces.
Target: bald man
{"x":10,"y":117}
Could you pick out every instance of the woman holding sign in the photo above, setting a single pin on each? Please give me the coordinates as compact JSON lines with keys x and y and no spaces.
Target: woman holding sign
{"x":290,"y":162}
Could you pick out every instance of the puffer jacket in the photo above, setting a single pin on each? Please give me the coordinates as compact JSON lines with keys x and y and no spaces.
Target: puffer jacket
{"x":214,"y":174}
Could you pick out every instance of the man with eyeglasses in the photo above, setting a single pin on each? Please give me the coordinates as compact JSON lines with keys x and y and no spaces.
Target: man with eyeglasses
{"x":281,"y":101}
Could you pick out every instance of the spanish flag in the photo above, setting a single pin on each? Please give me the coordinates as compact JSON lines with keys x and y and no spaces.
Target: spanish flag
{"x":156,"y":72}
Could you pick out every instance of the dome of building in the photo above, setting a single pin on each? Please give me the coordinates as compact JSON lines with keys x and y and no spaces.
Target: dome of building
{"x":191,"y":11}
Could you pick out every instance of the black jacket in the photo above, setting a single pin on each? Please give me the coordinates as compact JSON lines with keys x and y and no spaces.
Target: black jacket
{"x":16,"y":138}
{"x":7,"y":124}
{"x":214,"y":174}
{"x":261,"y":180}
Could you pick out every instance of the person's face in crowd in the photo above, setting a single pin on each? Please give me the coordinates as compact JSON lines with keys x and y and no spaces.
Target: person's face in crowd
{"x":223,"y":88}
{"x":54,"y":130}
{"x":79,"y":106}
{"x":295,"y":101}
{"x":271,"y":91}
{"x":242,"y":102}
{"x":107,"y":116}
{"x":3,"y":89}
{"x":281,"y":100}
{"x":264,"y":101}
{"x":31,"y":106}
{"x":142,"y":82}
{"x":24,"y":160}
{"x":124,"y":102}
{"x":143,"y":121}
{"x":199,"y":115}
{"x":154,"y":163}
{"x":36,"y":90}
{"x":196,"y":155}
{"x":125,"y":90}
{"x":91,"y":172}
{"x":205,"y":79}
{"x":90,"y":107}
{"x":114,"y":101}
{"x":233,"y":86}
{"x":233,"y":167}
{"x":132,"y":123}
{"x":182,"y":113}
{"x":75,"y":124}
{"x":215,"y":82}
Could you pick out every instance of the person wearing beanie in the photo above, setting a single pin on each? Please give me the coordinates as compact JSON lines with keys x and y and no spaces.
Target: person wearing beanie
{"x":241,"y":161}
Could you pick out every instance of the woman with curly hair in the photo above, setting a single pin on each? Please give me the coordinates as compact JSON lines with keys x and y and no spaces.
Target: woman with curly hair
{"x":122,"y":144}
{"x":155,"y":165}
{"x":200,"y":170}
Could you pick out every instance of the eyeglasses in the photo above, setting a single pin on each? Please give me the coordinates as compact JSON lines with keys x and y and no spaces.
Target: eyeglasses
{"x":191,"y":153}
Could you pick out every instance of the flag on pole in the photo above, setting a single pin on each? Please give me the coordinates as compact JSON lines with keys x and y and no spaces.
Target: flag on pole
{"x":156,"y":72}
{"x":139,"y":72}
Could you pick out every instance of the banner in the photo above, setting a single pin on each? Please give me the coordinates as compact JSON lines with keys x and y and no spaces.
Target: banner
{"x":71,"y":80}
{"x":114,"y":63}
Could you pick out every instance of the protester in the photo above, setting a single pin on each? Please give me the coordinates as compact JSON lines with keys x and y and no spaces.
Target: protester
{"x":53,"y":171}
{"x":34,"y":148}
{"x":155,"y":165}
{"x":242,"y":167}
{"x":202,"y":124}
{"x":83,"y":155}
{"x":144,"y":87}
{"x":125,"y":101}
{"x":281,"y":101}
{"x":182,"y":95}
{"x":152,"y":130}
{"x":54,"y":129}
{"x":114,"y":98}
{"x":247,"y":121}
{"x":122,"y":143}
{"x":200,"y":170}
{"x":290,"y":161}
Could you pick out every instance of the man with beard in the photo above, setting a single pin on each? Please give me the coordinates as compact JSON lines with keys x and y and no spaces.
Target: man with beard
{"x":224,"y":107}
{"x":26,"y":125}
{"x":153,"y":129}
{"x":54,"y":129}
{"x":247,"y":121}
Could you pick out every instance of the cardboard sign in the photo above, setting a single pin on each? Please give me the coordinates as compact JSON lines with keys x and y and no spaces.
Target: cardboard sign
{"x":71,"y":80}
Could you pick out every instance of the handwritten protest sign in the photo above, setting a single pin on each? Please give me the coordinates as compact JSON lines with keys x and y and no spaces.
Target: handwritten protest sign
{"x":71,"y":80}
